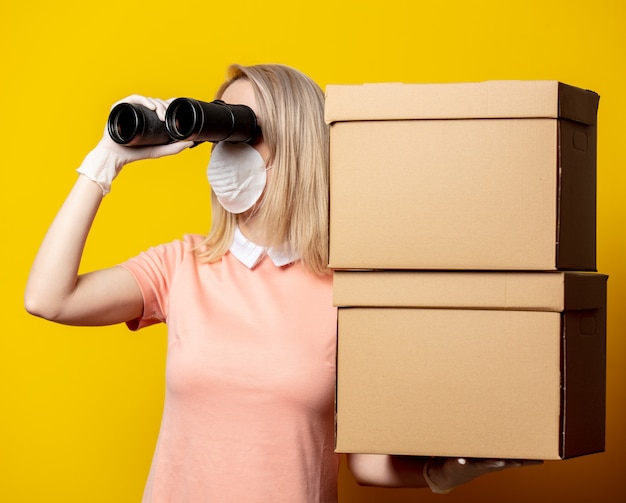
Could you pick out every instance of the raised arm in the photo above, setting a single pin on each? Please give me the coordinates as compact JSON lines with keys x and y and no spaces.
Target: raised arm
{"x":55,"y":291}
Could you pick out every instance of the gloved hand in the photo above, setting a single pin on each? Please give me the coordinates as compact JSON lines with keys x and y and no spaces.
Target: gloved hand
{"x":108,"y":158}
{"x":444,"y":474}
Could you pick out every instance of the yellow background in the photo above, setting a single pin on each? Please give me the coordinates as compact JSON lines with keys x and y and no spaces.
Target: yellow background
{"x":80,"y":408}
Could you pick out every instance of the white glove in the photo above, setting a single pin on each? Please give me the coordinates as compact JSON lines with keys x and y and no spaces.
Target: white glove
{"x":444,"y":474}
{"x":108,"y":158}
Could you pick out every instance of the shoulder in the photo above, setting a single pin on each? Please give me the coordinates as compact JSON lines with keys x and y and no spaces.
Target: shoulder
{"x":191,"y":243}
{"x":168,"y":254}
{"x":187,"y":245}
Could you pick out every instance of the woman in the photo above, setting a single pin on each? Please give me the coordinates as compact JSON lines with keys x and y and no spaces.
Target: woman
{"x":248,"y":413}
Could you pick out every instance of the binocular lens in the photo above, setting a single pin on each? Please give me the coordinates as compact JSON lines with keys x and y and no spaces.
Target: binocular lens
{"x":124,"y":123}
{"x":136,"y":125}
{"x":181,"y":119}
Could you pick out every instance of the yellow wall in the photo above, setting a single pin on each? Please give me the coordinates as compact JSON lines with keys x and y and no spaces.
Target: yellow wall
{"x":80,"y":407}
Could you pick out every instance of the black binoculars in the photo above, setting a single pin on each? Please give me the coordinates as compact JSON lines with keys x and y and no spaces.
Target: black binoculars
{"x":185,"y":119}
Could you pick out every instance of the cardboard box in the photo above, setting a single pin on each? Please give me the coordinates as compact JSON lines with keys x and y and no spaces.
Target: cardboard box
{"x":484,"y":364}
{"x":494,"y":175}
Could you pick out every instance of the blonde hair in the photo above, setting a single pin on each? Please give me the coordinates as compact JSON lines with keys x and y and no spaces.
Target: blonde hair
{"x":293,"y":212}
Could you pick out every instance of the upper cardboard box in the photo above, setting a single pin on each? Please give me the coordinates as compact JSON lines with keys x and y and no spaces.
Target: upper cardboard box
{"x":496,"y":175}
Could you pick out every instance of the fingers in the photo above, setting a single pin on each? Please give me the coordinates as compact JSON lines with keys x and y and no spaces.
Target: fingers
{"x":443,"y":474}
{"x":156,"y":104}
{"x":160,"y":108}
{"x":488,"y":465}
{"x":529,"y":462}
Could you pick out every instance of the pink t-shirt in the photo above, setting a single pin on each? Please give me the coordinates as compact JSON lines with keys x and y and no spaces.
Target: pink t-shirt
{"x":250,"y":379}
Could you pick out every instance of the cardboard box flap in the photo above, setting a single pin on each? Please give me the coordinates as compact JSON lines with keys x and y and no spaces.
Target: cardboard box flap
{"x":478,"y":100}
{"x":532,"y":291}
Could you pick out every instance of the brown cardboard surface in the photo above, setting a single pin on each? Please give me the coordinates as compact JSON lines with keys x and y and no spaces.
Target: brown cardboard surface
{"x":518,"y":380}
{"x":495,"y":99}
{"x":496,"y":175}
{"x":537,"y":291}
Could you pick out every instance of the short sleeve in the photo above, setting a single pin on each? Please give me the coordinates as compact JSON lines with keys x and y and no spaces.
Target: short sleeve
{"x":154,"y":271}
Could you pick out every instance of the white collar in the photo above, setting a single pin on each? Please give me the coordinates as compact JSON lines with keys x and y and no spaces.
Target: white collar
{"x":250,"y":254}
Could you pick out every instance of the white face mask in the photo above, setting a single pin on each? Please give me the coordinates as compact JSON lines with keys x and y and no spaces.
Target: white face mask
{"x":237,"y":174}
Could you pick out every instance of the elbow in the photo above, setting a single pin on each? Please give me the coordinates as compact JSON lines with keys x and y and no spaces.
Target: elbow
{"x":40,"y":306}
{"x":34,"y":307}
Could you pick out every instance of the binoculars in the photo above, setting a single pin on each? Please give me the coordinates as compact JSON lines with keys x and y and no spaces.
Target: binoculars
{"x":185,"y":119}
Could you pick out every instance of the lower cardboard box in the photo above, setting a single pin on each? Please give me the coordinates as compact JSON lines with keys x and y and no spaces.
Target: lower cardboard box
{"x":474,"y":364}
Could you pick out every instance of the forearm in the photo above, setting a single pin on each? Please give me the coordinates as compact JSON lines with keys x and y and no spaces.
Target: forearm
{"x":53,"y":276}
